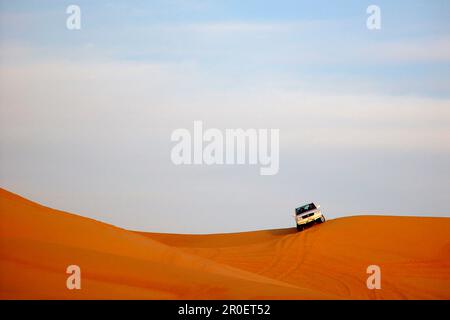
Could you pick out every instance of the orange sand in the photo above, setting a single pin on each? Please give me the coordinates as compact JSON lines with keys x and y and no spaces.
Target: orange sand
{"x":328,"y":261}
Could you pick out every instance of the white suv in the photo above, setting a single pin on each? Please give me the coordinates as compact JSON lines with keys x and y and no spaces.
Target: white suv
{"x":307,"y":214}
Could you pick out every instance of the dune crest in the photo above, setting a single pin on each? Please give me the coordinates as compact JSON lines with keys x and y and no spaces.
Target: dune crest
{"x":324,"y":262}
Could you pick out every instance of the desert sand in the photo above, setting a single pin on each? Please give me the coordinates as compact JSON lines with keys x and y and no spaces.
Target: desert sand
{"x":327,"y":261}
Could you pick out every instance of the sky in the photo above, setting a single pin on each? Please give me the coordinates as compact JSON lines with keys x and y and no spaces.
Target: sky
{"x":86,"y":115}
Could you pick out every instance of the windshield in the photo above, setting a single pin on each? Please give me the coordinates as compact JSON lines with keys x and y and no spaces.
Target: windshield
{"x":305,"y":208}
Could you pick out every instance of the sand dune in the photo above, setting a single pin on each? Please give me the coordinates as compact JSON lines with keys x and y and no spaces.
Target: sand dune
{"x":324,"y":262}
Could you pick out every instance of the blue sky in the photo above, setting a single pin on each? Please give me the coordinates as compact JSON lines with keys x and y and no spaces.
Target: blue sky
{"x":86,"y":115}
{"x":264,"y":38}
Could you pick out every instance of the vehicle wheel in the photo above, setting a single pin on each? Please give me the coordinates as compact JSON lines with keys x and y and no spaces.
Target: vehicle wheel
{"x":300,"y":227}
{"x":320,"y":220}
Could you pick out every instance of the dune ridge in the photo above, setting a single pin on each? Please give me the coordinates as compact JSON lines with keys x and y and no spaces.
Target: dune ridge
{"x":324,"y":262}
